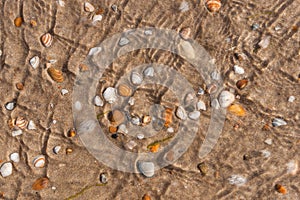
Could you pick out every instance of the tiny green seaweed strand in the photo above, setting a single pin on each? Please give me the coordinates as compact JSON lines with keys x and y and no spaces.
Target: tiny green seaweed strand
{"x":159,"y":141}
{"x":84,"y":190}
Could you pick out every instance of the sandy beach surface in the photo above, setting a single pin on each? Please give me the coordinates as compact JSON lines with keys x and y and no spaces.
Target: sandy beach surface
{"x":255,"y":46}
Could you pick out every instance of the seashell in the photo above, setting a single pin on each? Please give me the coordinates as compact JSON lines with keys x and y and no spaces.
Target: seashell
{"x":278,"y":122}
{"x":279,"y":188}
{"x":180,"y":113}
{"x":255,"y":26}
{"x":184,"y":6}
{"x":33,"y":23}
{"x":56,"y":149}
{"x":11,"y":123}
{"x":131,"y":101}
{"x":185,"y":33}
{"x":47,"y":39}
{"x":189,"y":98}
{"x":168,"y":117}
{"x":136,"y":121}
{"x":123,"y":41}
{"x":69,"y":151}
{"x":146,"y":119}
{"x":55,"y":74}
{"x":88,"y":7}
{"x":154,"y":148}
{"x":213,"y":5}
{"x":19,"y":86}
{"x":149,"y":72}
{"x":237,"y":180}
{"x":241,"y":84}
{"x":40,"y":183}
{"x":94,"y":51}
{"x":131,"y":144}
{"x":99,"y":11}
{"x":203,"y":167}
{"x":215,"y":75}
{"x":34,"y":62}
{"x":124,"y":90}
{"x":117,"y":117}
{"x":291,"y":99}
{"x":71,"y":132}
{"x":103,"y":178}
{"x":114,"y":8}
{"x":200,"y":91}
{"x":215,"y":104}
{"x":201,"y":105}
{"x":136,"y":78}
{"x":238,"y":70}
{"x":97,"y":18}
{"x":211,"y":89}
{"x":64,"y":91}
{"x":238,"y":110}
{"x":110,"y":95}
{"x":266,"y":153}
{"x":226,"y":98}
{"x":21,"y":122}
{"x":292,"y":167}
{"x":146,"y":197}
{"x":146,"y":168}
{"x":98,"y":101}
{"x":17,"y":132}
{"x":112,"y":129}
{"x":140,"y":136}
{"x":122,"y":129}
{"x":61,"y":3}
{"x":170,"y":130}
{"x":18,"y":21}
{"x":265,"y":41}
{"x":10,"y":106}
{"x":15,"y":157}
{"x":6,"y":169}
{"x":39,"y":161}
{"x":194,"y":115}
{"x":268,"y":141}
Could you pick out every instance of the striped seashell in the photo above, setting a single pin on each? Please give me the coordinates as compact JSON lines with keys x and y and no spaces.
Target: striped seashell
{"x":124,"y":90}
{"x":55,"y":74}
{"x":213,"y":5}
{"x":34,"y":62}
{"x":47,"y":39}
{"x":21,"y":122}
{"x":39,"y":161}
{"x":40,"y":183}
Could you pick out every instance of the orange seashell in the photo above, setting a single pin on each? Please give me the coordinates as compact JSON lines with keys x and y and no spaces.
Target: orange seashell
{"x":40,"y":183}
{"x":55,"y":74}
{"x":168,"y":117}
{"x":33,"y":23}
{"x":279,"y":188}
{"x":154,"y":148}
{"x":112,"y":129}
{"x":19,"y":86}
{"x":124,"y":90}
{"x":21,"y":122}
{"x":47,"y":39}
{"x":146,"y":197}
{"x":72,"y":132}
{"x":100,"y":11}
{"x":213,"y":5}
{"x":69,"y":150}
{"x":237,"y":110}
{"x":241,"y":84}
{"x":266,"y":127}
{"x":18,"y":21}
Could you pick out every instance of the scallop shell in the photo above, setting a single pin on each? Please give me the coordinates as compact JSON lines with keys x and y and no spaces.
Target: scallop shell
{"x":180,"y":113}
{"x":40,"y":183}
{"x":185,"y":33}
{"x":47,"y":39}
{"x":124,"y":90}
{"x":55,"y":74}
{"x":110,"y":95}
{"x":34,"y":62}
{"x":6,"y":169}
{"x":136,"y":78}
{"x":21,"y":122}
{"x":39,"y":161}
{"x":213,"y":5}
{"x":88,"y":7}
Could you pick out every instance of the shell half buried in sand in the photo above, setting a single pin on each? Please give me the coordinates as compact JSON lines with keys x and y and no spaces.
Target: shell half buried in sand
{"x":55,"y":74}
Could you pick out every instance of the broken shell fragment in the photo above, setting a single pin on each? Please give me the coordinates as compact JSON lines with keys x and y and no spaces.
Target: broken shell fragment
{"x":39,"y":161}
{"x":34,"y":62}
{"x":40,"y":184}
{"x":213,"y":5}
{"x":110,"y":95}
{"x":278,"y":122}
{"x":265,"y":41}
{"x":136,"y":78}
{"x":55,"y":74}
{"x":185,"y":33}
{"x":6,"y":169}
{"x":124,"y":90}
{"x":97,"y":18}
{"x":17,"y":132}
{"x":98,"y":101}
{"x":64,"y":91}
{"x":238,"y":110}
{"x":88,"y":7}
{"x":47,"y":39}
{"x":180,"y":113}
{"x":31,"y":125}
{"x":241,"y":84}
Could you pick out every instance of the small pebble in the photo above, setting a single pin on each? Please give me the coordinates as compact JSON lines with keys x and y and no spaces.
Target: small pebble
{"x":56,"y":149}
{"x":18,"y":21}
{"x":69,"y":150}
{"x":266,"y":153}
{"x":16,"y":132}
{"x":6,"y":169}
{"x":64,"y":91}
{"x":95,"y":50}
{"x":265,"y":41}
{"x":15,"y":157}
{"x":54,"y":121}
{"x":146,"y":168}
{"x":278,"y":122}
{"x":291,"y":99}
{"x":268,"y":141}
{"x":115,"y":136}
{"x":238,"y":70}
{"x":112,"y":129}
{"x":31,"y":125}
{"x":237,"y":180}
{"x":292,"y":167}
{"x":10,"y":106}
{"x":103,"y":178}
{"x":0,"y":52}
{"x":98,"y":101}
{"x":201,"y":105}
{"x":277,"y":28}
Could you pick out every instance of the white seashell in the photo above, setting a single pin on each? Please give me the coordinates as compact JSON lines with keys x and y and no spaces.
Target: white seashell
{"x":16,"y":132}
{"x":292,"y":167}
{"x":215,"y":104}
{"x":149,"y":72}
{"x":15,"y":157}
{"x":34,"y":62}
{"x":148,"y":32}
{"x":39,"y":161}
{"x":95,"y":50}
{"x":215,"y":75}
{"x":194,"y":115}
{"x":98,"y":101}
{"x":54,"y":121}
{"x":122,"y":129}
{"x":103,"y":178}
{"x":237,"y":180}
{"x":291,"y":99}
{"x":201,"y":105}
{"x":184,"y":6}
{"x":64,"y":91}
{"x":200,"y":91}
{"x":170,"y":130}
{"x":264,"y":43}
{"x":136,"y":121}
{"x":226,"y":98}
{"x":6,"y":169}
{"x":131,"y":144}
{"x":114,"y":8}
{"x":266,"y":153}
{"x":56,"y":149}
{"x":238,"y":70}
{"x":268,"y":141}
{"x":277,"y":28}
{"x":97,"y":18}
{"x":88,"y":7}
{"x":123,"y":41}
{"x":146,"y":168}
{"x":78,"y":105}
{"x":61,"y":3}
{"x":180,"y":113}
{"x":278,"y":122}
{"x":110,"y":95}
{"x":136,"y":78}
{"x":10,"y":105}
{"x":140,"y":136}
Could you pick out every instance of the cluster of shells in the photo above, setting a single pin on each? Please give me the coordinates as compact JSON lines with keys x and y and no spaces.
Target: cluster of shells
{"x":94,"y":14}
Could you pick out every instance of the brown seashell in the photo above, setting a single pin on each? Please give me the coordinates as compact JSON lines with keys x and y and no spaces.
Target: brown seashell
{"x":203,"y":167}
{"x":238,"y":110}
{"x":39,"y":161}
{"x":279,"y":188}
{"x":146,"y":119}
{"x":18,"y":21}
{"x":124,"y":90}
{"x":33,"y":23}
{"x":168,"y":117}
{"x":112,"y":129}
{"x":241,"y":84}
{"x":19,"y":86}
{"x":47,"y":39}
{"x":71,"y":132}
{"x":55,"y":74}
{"x":21,"y":122}
{"x":146,"y":197}
{"x":69,"y":150}
{"x":213,"y":5}
{"x":185,"y":33}
{"x":40,"y":183}
{"x":117,"y":117}
{"x":100,"y":11}
{"x":266,"y":127}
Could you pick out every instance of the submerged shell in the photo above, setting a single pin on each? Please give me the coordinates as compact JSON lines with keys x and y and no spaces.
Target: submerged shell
{"x":136,"y":78}
{"x":39,"y":161}
{"x":110,"y":95}
{"x":117,"y":117}
{"x":21,"y":122}
{"x":124,"y":90}
{"x":98,"y":101}
{"x":40,"y":183}
{"x":146,"y":168}
{"x":238,"y":110}
{"x":180,"y":113}
{"x":47,"y":39}
{"x":149,"y":72}
{"x":56,"y":74}
{"x":34,"y":62}
{"x":6,"y":169}
{"x":213,"y":5}
{"x":88,"y":7}
{"x":122,"y":129}
{"x":15,"y":157}
{"x":226,"y":98}
{"x":185,"y":33}
{"x":168,"y":117}
{"x":123,"y":41}
{"x":194,"y":115}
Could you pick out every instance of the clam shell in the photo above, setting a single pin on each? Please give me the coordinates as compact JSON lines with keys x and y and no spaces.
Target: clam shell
{"x":185,"y":33}
{"x":136,"y":78}
{"x":213,"y":5}
{"x":6,"y":169}
{"x":146,"y":168}
{"x":122,"y":129}
{"x":238,"y":110}
{"x":55,"y":74}
{"x":110,"y":95}
{"x":140,"y":136}
{"x":47,"y":39}
{"x":56,"y":149}
{"x":98,"y":101}
{"x":15,"y":157}
{"x":88,"y":7}
{"x":241,"y":84}
{"x":21,"y":122}
{"x":97,"y":18}
{"x":34,"y":62}
{"x":149,"y":72}
{"x":39,"y":161}
{"x":10,"y":106}
{"x":124,"y":90}
{"x":180,"y":113}
{"x":40,"y":184}
{"x":226,"y":98}
{"x":194,"y":115}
